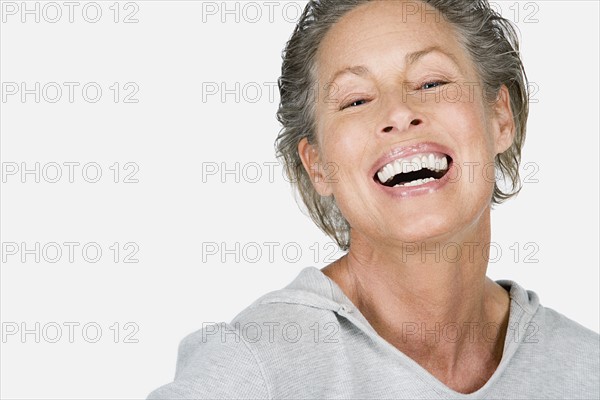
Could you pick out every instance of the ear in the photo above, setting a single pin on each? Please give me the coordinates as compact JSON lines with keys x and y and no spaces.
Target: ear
{"x":504,"y":124}
{"x":313,"y":166}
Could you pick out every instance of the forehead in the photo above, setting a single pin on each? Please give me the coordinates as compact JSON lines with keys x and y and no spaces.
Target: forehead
{"x":386,"y":31}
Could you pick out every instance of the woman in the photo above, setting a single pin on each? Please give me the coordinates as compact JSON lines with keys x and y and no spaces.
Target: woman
{"x":392,"y":112}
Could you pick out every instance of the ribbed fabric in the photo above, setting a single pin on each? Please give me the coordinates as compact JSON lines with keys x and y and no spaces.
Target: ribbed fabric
{"x":308,"y":341}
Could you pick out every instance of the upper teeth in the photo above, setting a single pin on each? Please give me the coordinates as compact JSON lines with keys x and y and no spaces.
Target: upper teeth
{"x":414,"y":163}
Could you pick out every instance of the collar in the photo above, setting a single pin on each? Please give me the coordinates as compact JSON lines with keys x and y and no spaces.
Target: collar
{"x":313,"y":288}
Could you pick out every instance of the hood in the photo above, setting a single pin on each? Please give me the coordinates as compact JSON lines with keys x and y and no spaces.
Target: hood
{"x":313,"y":288}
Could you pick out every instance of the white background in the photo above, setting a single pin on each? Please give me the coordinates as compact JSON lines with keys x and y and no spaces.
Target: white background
{"x":172,"y":54}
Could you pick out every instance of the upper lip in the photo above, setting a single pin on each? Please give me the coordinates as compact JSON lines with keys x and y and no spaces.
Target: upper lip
{"x":405,"y":151}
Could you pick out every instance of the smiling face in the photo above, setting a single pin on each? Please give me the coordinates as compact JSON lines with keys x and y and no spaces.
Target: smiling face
{"x":402,"y":94}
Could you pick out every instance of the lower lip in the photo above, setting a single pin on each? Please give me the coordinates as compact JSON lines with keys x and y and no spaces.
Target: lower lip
{"x":420,"y":190}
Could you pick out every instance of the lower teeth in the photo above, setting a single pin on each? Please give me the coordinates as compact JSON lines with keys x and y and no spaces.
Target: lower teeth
{"x":417,"y":182}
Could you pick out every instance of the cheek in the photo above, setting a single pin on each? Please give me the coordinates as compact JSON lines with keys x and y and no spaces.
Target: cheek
{"x":345,"y":142}
{"x":466,"y":122}
{"x":467,"y":126}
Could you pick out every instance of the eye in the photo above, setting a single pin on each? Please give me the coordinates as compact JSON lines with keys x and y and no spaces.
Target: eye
{"x":354,"y":103}
{"x":433,"y":84}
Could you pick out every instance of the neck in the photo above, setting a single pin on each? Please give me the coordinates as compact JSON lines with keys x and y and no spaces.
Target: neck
{"x":430,"y":299}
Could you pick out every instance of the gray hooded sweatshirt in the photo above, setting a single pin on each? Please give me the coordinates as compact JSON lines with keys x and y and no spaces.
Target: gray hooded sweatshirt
{"x":308,"y":341}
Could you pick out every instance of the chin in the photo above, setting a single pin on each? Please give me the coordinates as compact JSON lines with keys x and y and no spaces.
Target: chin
{"x":427,"y":228}
{"x":415,"y":229}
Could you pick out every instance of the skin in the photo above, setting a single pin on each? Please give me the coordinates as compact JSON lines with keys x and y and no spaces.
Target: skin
{"x":390,"y":285}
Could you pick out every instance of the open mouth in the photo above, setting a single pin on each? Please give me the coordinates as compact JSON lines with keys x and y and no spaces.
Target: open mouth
{"x":414,"y":171}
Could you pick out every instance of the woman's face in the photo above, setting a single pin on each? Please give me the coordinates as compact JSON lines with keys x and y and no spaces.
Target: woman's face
{"x":399,"y":93}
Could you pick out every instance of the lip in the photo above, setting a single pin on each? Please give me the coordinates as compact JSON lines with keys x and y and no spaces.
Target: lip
{"x":407,"y":151}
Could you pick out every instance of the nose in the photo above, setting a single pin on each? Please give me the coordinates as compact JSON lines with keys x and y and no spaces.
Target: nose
{"x":398,"y":116}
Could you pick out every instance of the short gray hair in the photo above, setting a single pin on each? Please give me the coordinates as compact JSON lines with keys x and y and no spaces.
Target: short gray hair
{"x":492,"y":43}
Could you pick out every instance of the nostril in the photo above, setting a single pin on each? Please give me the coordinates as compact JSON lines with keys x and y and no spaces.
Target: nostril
{"x":390,"y":128}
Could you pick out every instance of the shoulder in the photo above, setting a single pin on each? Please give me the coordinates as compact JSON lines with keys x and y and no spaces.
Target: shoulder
{"x":553,"y":333}
{"x":558,"y":328}
{"x":215,"y":363}
{"x":231,"y":360}
{"x":564,"y":354}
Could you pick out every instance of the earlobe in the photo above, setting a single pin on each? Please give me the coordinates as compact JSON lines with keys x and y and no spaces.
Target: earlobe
{"x":505,"y":124}
{"x":312,"y":164}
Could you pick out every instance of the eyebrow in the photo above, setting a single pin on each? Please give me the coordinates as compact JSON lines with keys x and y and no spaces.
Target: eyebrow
{"x":409,"y":59}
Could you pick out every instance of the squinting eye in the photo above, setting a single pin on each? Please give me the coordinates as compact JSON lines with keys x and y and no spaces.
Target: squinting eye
{"x":355,"y":103}
{"x":430,"y":85}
